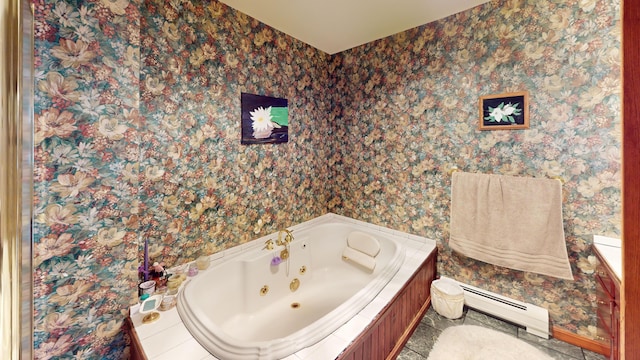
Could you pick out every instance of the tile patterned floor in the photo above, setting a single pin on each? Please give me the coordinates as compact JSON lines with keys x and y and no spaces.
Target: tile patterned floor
{"x":432,"y":324}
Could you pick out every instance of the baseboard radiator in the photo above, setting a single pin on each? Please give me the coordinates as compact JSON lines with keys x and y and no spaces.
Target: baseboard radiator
{"x":534,"y":318}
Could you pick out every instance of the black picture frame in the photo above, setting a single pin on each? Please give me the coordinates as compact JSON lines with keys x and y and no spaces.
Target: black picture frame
{"x":264,"y":119}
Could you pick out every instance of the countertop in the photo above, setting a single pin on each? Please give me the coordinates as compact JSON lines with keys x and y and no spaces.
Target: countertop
{"x":611,"y":251}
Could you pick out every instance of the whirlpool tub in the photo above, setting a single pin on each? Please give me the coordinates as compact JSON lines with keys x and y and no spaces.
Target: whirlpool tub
{"x":249,"y":306}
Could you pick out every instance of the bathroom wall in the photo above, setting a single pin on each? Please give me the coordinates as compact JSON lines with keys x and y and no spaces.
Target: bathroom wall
{"x":202,"y":191}
{"x":135,"y":144}
{"x":137,"y":112}
{"x":410,"y":113}
{"x":86,"y":155}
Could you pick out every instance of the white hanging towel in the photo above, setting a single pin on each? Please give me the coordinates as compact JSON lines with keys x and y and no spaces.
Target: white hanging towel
{"x":509,"y":221}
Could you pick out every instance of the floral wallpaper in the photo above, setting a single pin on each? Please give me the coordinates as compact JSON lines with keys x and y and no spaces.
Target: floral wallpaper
{"x":137,"y":136}
{"x":410,"y":113}
{"x":202,"y":191}
{"x":86,"y":151}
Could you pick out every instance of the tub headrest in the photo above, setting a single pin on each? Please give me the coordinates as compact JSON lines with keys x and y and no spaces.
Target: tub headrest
{"x":363,"y":242}
{"x":359,"y":258}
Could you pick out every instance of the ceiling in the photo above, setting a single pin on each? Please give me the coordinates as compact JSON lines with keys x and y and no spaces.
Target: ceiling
{"x":337,"y":25}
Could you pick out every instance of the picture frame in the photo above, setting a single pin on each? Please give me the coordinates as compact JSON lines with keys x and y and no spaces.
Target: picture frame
{"x":264,"y":119}
{"x":506,"y":111}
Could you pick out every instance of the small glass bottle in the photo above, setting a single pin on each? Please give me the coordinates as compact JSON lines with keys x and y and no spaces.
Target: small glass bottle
{"x":193,"y":270}
{"x":202,"y":262}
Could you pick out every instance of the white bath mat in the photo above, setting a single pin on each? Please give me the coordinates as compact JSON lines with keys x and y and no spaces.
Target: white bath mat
{"x":470,"y":342}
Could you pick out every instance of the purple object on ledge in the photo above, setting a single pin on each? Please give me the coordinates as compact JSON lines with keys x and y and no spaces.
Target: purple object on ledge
{"x":193,"y":270}
{"x":276,"y":261}
{"x":145,"y":270}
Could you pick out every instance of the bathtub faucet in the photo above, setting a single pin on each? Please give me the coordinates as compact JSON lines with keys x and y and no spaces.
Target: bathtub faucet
{"x":288,"y":237}
{"x":268,"y":245}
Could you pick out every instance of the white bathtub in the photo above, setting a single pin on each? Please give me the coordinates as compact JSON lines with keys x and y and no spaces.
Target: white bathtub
{"x":168,"y":338}
{"x":228,"y":313}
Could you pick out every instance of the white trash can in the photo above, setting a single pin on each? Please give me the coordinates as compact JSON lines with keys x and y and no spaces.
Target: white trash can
{"x":447,"y":298}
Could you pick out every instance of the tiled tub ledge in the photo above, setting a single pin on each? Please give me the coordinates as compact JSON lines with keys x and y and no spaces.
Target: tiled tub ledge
{"x":394,"y":313}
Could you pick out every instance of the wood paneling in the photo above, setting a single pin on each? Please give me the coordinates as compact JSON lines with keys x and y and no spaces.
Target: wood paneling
{"x":630,"y":334}
{"x":136,"y":352}
{"x":389,"y":332}
{"x":608,"y":309}
{"x":580,"y":341}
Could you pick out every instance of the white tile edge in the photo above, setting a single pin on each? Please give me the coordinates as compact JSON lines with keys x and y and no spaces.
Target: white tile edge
{"x":607,"y":241}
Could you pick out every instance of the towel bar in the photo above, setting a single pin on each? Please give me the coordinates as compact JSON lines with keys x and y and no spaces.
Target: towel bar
{"x":557,"y":177}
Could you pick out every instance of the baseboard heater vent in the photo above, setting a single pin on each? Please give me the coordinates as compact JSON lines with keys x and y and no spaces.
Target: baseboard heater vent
{"x":534,"y":318}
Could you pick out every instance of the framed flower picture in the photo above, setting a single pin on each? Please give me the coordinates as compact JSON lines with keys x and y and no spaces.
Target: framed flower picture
{"x":265,"y":119}
{"x":504,"y":111}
